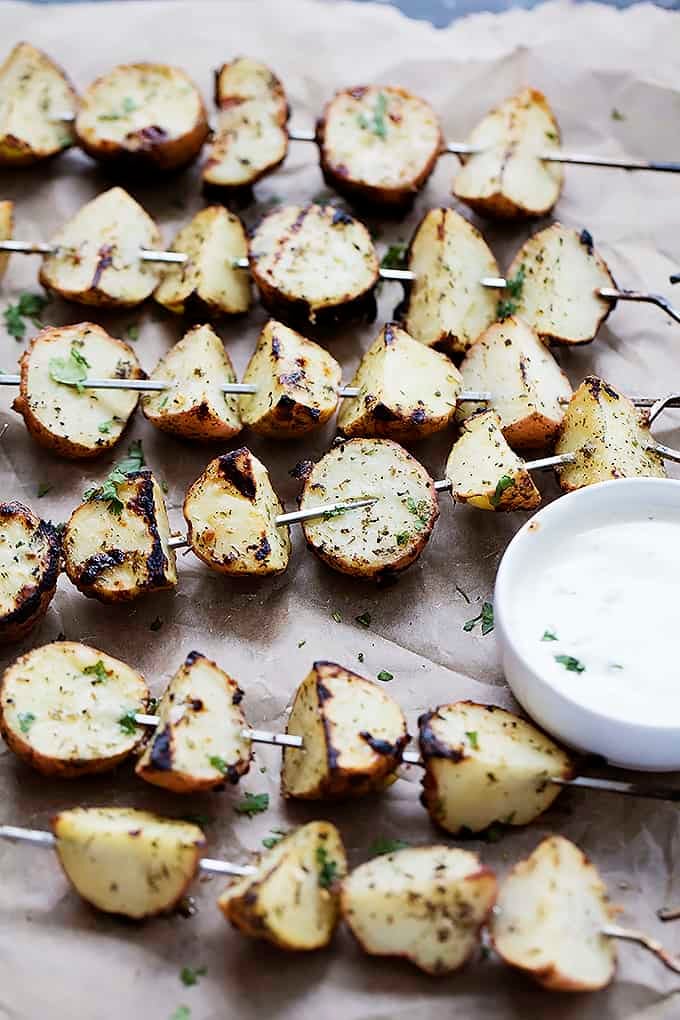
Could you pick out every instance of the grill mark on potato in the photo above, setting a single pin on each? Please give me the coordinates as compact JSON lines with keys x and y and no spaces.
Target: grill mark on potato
{"x":193,"y":657}
{"x":237,"y":470}
{"x":104,"y":261}
{"x":144,"y":505}
{"x":98,"y":564}
{"x":586,"y":239}
{"x":150,"y":136}
{"x":161,"y":751}
{"x":341,"y":217}
{"x":430,"y":745}
{"x":29,"y":599}
{"x":383,"y":747}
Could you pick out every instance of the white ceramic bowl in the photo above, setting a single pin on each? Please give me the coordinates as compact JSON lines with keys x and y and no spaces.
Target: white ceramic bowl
{"x":651,"y":743}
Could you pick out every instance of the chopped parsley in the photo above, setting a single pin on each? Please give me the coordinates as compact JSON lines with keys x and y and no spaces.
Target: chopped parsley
{"x":485,"y":618}
{"x":108,"y":490}
{"x":181,"y":1013}
{"x":382,"y":846}
{"x":385,"y":675}
{"x":376,"y":123}
{"x":394,"y":257}
{"x":337,"y":616}
{"x":99,"y":670}
{"x":617,"y":115}
{"x":364,"y":620}
{"x":513,"y":292}
{"x":29,"y":306}
{"x":552,"y":136}
{"x":571,"y":664}
{"x":105,"y":426}
{"x":218,"y":763}
{"x":126,"y":107}
{"x":26,"y":720}
{"x":505,"y":482}
{"x":420,"y":510}
{"x":472,"y":739}
{"x":43,"y":489}
{"x":71,"y":371}
{"x":269,"y":842}
{"x":328,"y":869}
{"x":132,"y":332}
{"x":127,"y":722}
{"x":189,"y":975}
{"x":549,"y":635}
{"x":402,"y":538}
{"x":302,"y":643}
{"x":252,"y":804}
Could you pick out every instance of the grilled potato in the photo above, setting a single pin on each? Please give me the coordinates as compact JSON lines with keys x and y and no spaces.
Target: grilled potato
{"x":552,"y":908}
{"x":406,"y":390}
{"x":116,"y":551}
{"x":381,"y":539}
{"x":97,"y":258}
{"x":30,"y":562}
{"x":609,"y":436}
{"x":34,"y":92}
{"x":506,"y":179}
{"x":485,"y":765}
{"x":208,"y":281}
{"x":251,"y":138}
{"x":297,"y":384}
{"x":195,"y":406}
{"x":354,"y":735}
{"x":292,"y":899}
{"x":231,"y":511}
{"x":143,"y":116}
{"x":446,"y":306}
{"x":378,"y":144}
{"x":125,"y":861}
{"x":314,"y":264}
{"x":198,"y":742}
{"x":66,"y":709}
{"x":6,"y":231}
{"x":59,"y":413}
{"x":426,"y":904}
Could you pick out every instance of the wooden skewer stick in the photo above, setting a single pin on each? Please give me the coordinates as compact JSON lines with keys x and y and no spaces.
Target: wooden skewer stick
{"x":615,"y":931}
{"x":145,"y":254}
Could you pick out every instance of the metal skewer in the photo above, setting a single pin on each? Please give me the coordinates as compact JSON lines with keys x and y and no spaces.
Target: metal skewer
{"x":615,"y":931}
{"x":145,"y":254}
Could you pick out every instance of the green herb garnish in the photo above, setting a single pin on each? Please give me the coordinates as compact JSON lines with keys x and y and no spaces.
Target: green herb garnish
{"x":99,"y":670}
{"x":337,"y":616}
{"x":29,"y":306}
{"x":132,"y":332}
{"x":505,"y":482}
{"x":252,"y":804}
{"x":189,"y":975}
{"x":617,"y":115}
{"x":43,"y":489}
{"x":385,"y":675}
{"x":570,"y":663}
{"x":105,"y":426}
{"x":328,"y":869}
{"x":270,"y":841}
{"x":71,"y":371}
{"x":549,"y":635}
{"x":394,"y":257}
{"x":420,"y":509}
{"x":182,"y":1012}
{"x":382,"y":846}
{"x":513,"y":292}
{"x":127,"y":722}
{"x":472,"y":739}
{"x":485,"y":617}
{"x":402,"y":538}
{"x":364,"y":620}
{"x":108,"y":490}
{"x":26,"y":720}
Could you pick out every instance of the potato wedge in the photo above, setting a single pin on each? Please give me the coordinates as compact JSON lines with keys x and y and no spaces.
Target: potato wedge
{"x":251,"y":137}
{"x":297,"y":384}
{"x":73,"y":421}
{"x":378,"y":144}
{"x":231,"y":512}
{"x":6,"y":231}
{"x":426,"y":904}
{"x":66,"y":709}
{"x":292,"y":900}
{"x":485,"y":765}
{"x":208,"y":282}
{"x":97,"y":261}
{"x":552,"y":908}
{"x":406,"y":390}
{"x":125,"y":861}
{"x":195,"y":406}
{"x":507,"y":179}
{"x":116,"y":551}
{"x":33,"y":92}
{"x":354,"y":735}
{"x":143,"y":116}
{"x":609,"y":436}
{"x":198,"y":742}
{"x":314,"y":264}
{"x":447,"y":307}
{"x":30,"y":562}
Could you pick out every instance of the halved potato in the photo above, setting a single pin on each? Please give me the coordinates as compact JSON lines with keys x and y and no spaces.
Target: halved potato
{"x":198,"y":742}
{"x":378,"y":144}
{"x":297,"y":384}
{"x":116,"y":551}
{"x":406,"y":390}
{"x":231,"y":511}
{"x":551,"y":910}
{"x":251,"y":138}
{"x":608,"y":435}
{"x":143,"y":115}
{"x":485,"y":765}
{"x":30,"y":562}
{"x":446,"y":306}
{"x":292,"y":899}
{"x":6,"y":231}
{"x":125,"y":861}
{"x":353,"y":733}
{"x":426,"y":904}
{"x":507,"y":179}
{"x":314,"y":263}
{"x":195,"y":405}
{"x":97,"y":257}
{"x":34,"y":94}
{"x":60,"y":414}
{"x":65,"y":709}
{"x":208,"y":281}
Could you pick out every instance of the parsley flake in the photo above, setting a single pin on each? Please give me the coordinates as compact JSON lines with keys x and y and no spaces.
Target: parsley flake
{"x":505,"y":482}
{"x":394,"y":257}
{"x":252,"y":804}
{"x":328,"y":869}
{"x":571,"y":664}
{"x":99,"y":670}
{"x":26,"y":720}
{"x":269,"y":842}
{"x":182,"y":1012}
{"x":127,"y":722}
{"x":382,"y":846}
{"x":472,"y":739}
{"x":337,"y":616}
{"x":71,"y":371}
{"x":485,"y":617}
{"x":364,"y":620}
{"x":108,"y":490}
{"x":29,"y":306}
{"x":189,"y":975}
{"x":617,"y":115}
{"x":385,"y":675}
{"x":43,"y":489}
{"x":549,"y":635}
{"x":513,"y":292}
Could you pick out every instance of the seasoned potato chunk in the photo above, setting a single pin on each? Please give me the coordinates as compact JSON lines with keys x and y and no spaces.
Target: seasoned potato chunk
{"x":406,"y":390}
{"x":97,"y":260}
{"x":125,"y":861}
{"x":426,"y":904}
{"x":446,"y":306}
{"x":208,"y":281}
{"x":30,"y":561}
{"x":507,"y":179}
{"x":609,"y":436}
{"x":6,"y":231}
{"x":141,"y":116}
{"x":552,"y":908}
{"x":297,"y":384}
{"x":34,"y":92}
{"x":353,"y":733}
{"x":380,"y":539}
{"x":195,"y":405}
{"x":66,"y":708}
{"x":231,"y":512}
{"x":199,"y":741}
{"x":486,"y":765}
{"x":292,"y":899}
{"x":251,"y":138}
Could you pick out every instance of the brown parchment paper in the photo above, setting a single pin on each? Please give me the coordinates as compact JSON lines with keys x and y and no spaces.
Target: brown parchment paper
{"x":59,"y":959}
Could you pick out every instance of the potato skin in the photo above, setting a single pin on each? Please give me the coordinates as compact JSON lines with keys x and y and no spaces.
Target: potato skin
{"x":34,"y":601}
